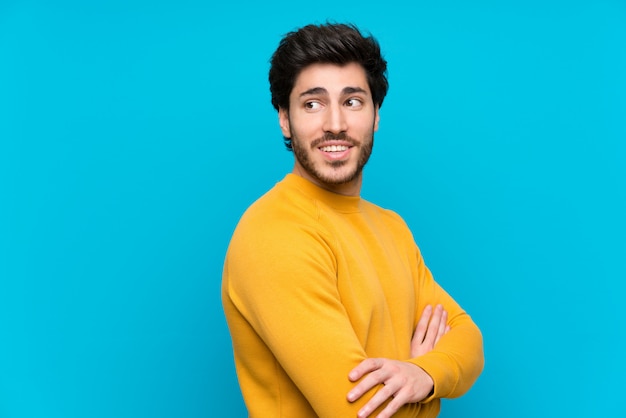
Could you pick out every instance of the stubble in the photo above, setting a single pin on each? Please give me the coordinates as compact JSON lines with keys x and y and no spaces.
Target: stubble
{"x":302,"y":154}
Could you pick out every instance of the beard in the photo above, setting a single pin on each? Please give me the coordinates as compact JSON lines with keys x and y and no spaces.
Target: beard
{"x":331,"y":172}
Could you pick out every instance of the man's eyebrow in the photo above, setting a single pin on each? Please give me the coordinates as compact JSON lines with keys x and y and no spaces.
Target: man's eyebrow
{"x":322,"y":90}
{"x":314,"y":90}
{"x":351,"y":90}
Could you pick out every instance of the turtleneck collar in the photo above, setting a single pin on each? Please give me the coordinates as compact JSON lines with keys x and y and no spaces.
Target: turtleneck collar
{"x":339,"y":202}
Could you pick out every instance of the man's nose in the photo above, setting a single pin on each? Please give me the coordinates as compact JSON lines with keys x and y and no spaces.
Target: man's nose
{"x":335,"y":121}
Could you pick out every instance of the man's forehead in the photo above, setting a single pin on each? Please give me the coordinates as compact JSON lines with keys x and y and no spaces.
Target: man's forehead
{"x":324,"y":78}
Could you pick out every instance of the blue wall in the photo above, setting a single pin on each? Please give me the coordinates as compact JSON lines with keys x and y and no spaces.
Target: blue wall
{"x":134,"y":134}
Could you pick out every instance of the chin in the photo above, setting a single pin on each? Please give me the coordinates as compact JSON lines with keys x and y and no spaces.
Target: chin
{"x":338,"y":178}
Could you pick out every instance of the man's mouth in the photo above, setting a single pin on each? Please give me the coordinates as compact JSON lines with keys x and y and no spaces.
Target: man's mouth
{"x":334,"y":148}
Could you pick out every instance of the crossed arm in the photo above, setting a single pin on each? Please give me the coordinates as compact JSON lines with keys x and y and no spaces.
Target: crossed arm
{"x":404,"y":382}
{"x":303,"y":328}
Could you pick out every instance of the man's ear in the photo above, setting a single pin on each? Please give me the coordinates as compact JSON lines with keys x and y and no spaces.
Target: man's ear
{"x":376,"y":118}
{"x":283,"y":121}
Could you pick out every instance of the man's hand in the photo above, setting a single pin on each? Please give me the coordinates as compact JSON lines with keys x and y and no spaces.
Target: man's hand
{"x":404,"y":382}
{"x":430,"y":328}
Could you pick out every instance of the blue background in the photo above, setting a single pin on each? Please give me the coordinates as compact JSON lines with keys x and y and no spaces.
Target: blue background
{"x":133,"y":135}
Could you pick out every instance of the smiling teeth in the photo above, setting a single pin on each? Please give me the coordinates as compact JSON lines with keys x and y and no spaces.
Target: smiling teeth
{"x":334,"y":148}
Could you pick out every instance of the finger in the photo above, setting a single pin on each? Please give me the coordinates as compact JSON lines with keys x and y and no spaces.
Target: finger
{"x":370,"y":381}
{"x":366,"y":366}
{"x":377,"y":400}
{"x":433,"y":326}
{"x":442,"y":326}
{"x":422,"y":326}
{"x":392,"y":407}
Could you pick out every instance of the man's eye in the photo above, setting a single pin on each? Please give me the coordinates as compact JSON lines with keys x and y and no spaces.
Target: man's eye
{"x":312,"y":105}
{"x":354,"y":102}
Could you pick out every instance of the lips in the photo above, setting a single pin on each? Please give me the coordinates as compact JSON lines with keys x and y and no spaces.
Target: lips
{"x":334,"y":148}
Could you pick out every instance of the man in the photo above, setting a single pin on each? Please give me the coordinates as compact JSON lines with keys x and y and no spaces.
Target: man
{"x":331,"y":309}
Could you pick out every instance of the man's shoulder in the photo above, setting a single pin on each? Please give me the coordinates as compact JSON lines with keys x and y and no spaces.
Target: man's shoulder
{"x":281,"y":202}
{"x":281,"y":210}
{"x":282,"y":221}
{"x":388,"y":215}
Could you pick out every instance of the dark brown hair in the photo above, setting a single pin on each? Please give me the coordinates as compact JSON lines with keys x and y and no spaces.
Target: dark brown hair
{"x":330,"y":43}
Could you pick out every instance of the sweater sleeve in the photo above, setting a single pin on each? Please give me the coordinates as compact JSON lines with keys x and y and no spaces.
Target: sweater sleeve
{"x":457,"y":360}
{"x":283,"y":282}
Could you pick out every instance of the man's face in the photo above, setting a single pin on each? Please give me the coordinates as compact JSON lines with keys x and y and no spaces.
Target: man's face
{"x":331,"y":122}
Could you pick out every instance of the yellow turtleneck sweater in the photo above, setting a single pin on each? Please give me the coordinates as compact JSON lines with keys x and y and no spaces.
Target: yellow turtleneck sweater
{"x":314,"y":283}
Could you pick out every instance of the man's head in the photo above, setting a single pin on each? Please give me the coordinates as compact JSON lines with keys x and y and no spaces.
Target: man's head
{"x":328,"y":83}
{"x":338,"y":44}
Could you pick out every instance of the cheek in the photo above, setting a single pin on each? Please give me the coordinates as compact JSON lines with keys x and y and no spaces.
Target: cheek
{"x":364,"y":126}
{"x":305,"y":127}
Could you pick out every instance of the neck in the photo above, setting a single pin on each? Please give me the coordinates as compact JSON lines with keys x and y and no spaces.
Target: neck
{"x":351,"y":188}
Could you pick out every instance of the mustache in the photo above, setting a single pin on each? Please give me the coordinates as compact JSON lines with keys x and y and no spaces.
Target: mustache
{"x":329,"y":136}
